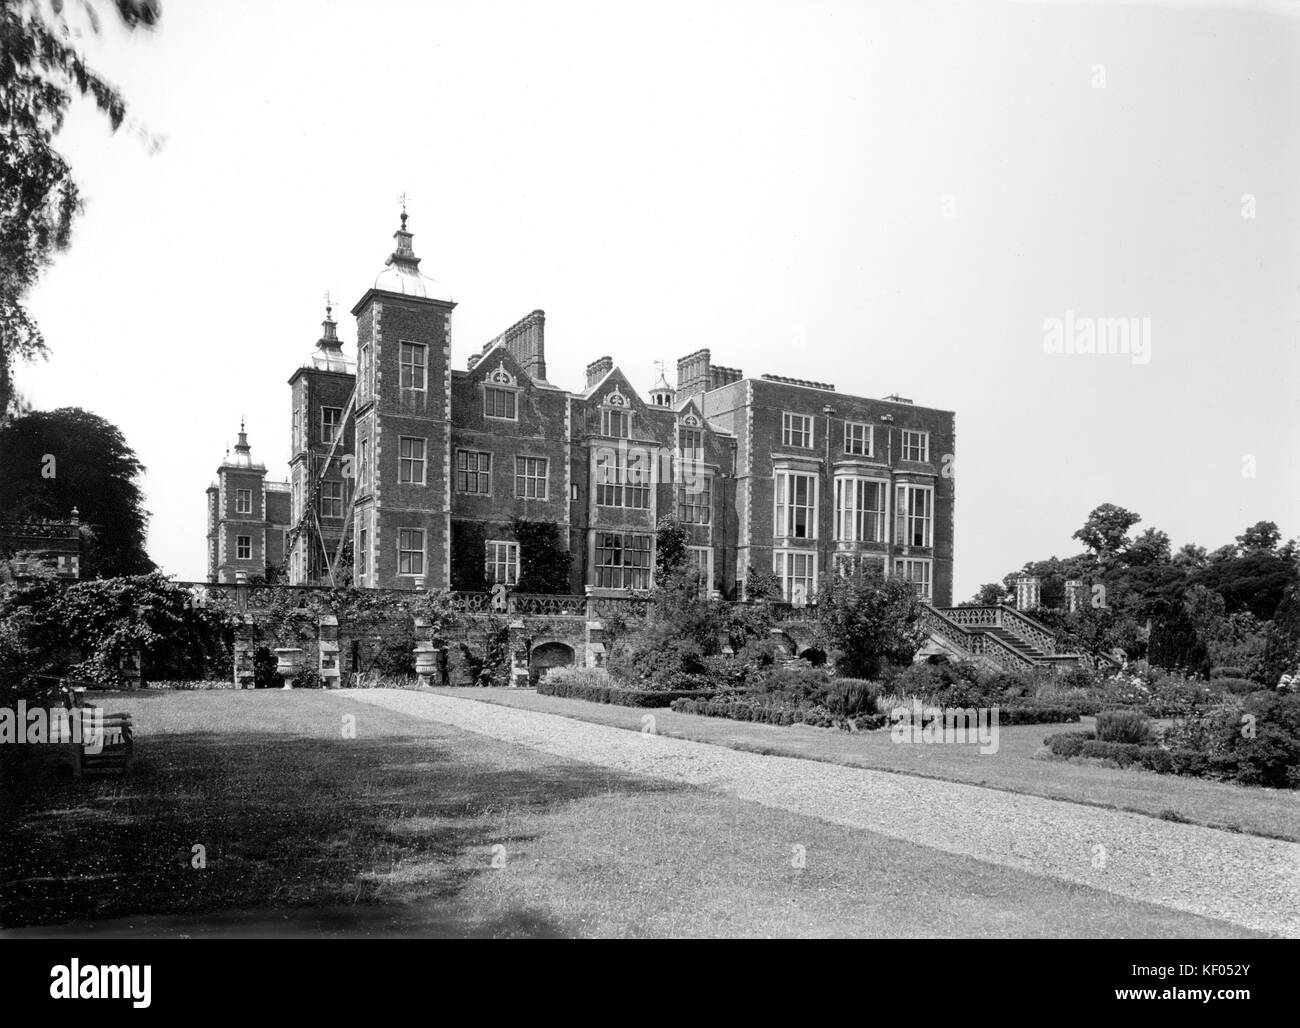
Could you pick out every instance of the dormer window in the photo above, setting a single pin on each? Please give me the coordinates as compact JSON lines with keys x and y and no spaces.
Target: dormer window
{"x":616,"y":423}
{"x":500,"y":403}
{"x":501,"y":395}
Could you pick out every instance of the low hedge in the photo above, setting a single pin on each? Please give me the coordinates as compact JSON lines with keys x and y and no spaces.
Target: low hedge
{"x":740,"y":709}
{"x":615,"y":694}
{"x":1188,"y":763}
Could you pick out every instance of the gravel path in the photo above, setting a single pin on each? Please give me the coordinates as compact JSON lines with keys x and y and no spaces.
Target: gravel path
{"x":1242,"y":879}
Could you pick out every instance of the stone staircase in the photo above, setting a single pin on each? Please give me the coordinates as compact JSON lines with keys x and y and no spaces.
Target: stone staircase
{"x":997,"y":637}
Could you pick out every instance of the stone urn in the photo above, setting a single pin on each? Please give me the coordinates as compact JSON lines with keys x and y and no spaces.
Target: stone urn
{"x":288,"y":663}
{"x":426,"y":663}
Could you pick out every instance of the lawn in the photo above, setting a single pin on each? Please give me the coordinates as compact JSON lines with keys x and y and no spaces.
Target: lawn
{"x":1017,"y":766}
{"x":397,"y":831}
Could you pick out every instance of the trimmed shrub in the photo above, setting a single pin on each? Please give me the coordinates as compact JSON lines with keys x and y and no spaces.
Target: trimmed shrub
{"x":1037,"y":715}
{"x":753,"y":709}
{"x":595,"y":686}
{"x":1068,"y":744}
{"x":1227,"y":672}
{"x":1123,"y":726}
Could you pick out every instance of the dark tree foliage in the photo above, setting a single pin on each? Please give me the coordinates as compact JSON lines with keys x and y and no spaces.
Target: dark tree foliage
{"x":53,"y":461}
{"x":544,"y":561}
{"x":1282,"y":640}
{"x":1175,"y":644}
{"x":1256,"y":581}
{"x":41,"y":71}
{"x":671,"y":539}
{"x":468,"y":574}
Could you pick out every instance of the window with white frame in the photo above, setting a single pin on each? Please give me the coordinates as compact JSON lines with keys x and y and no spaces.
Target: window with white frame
{"x":243,"y":547}
{"x":797,"y":570}
{"x":363,"y":465}
{"x":918,"y":573}
{"x":243,"y":501}
{"x":623,"y":477}
{"x":414,"y":360}
{"x":501,"y":404}
{"x":690,"y":444}
{"x":530,"y":478}
{"x":622,"y":560}
{"x":616,"y":423}
{"x":700,"y":560}
{"x":474,"y":472}
{"x":796,"y":505}
{"x":860,"y":509}
{"x":363,"y":554}
{"x":295,"y":443}
{"x":410,"y":460}
{"x":331,"y":418}
{"x":858,"y":439}
{"x":696,"y":507}
{"x":331,"y":499}
{"x":914,"y":515}
{"x":796,"y":430}
{"x":916,"y":446}
{"x":410,"y":551}
{"x":363,"y":371}
{"x":502,"y":564}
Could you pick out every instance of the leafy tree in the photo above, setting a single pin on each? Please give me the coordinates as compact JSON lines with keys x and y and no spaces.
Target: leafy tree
{"x":671,"y":540}
{"x":40,"y":72}
{"x":1191,"y":556}
{"x":870,"y":620}
{"x":1261,"y":537}
{"x":761,"y":584}
{"x":1105,"y":532}
{"x":1149,"y":548}
{"x":544,"y":561}
{"x":53,"y":461}
{"x":989,"y":595}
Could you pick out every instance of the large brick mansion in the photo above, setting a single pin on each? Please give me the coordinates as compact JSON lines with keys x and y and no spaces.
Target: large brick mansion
{"x":405,"y":455}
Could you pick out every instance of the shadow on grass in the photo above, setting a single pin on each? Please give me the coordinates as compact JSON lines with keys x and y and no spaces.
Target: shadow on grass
{"x":270,"y":824}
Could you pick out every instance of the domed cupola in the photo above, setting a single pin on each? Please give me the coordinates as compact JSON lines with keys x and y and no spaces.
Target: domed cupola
{"x":328,"y":355}
{"x":661,"y":393}
{"x":401,"y":273}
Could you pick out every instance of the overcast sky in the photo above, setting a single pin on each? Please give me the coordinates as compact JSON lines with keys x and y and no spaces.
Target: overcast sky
{"x":894,"y":197}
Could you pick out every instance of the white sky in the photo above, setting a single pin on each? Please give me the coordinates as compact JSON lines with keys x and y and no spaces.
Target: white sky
{"x":765,"y":179}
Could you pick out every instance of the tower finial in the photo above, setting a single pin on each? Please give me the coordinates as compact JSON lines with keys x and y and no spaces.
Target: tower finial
{"x":402,"y":200}
{"x":329,"y":307}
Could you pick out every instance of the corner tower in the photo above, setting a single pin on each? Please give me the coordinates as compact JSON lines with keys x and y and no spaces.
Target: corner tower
{"x":401,"y":528}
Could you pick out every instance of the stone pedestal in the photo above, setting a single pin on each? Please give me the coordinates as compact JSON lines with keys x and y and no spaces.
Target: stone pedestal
{"x":244,"y":649}
{"x":1074,"y":596}
{"x":330,"y":669}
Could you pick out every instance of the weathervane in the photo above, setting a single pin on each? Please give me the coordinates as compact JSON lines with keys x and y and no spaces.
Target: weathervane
{"x":402,"y":200}
{"x":328,"y":304}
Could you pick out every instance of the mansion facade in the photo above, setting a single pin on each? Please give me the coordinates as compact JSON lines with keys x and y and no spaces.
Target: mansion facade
{"x":407,"y":458}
